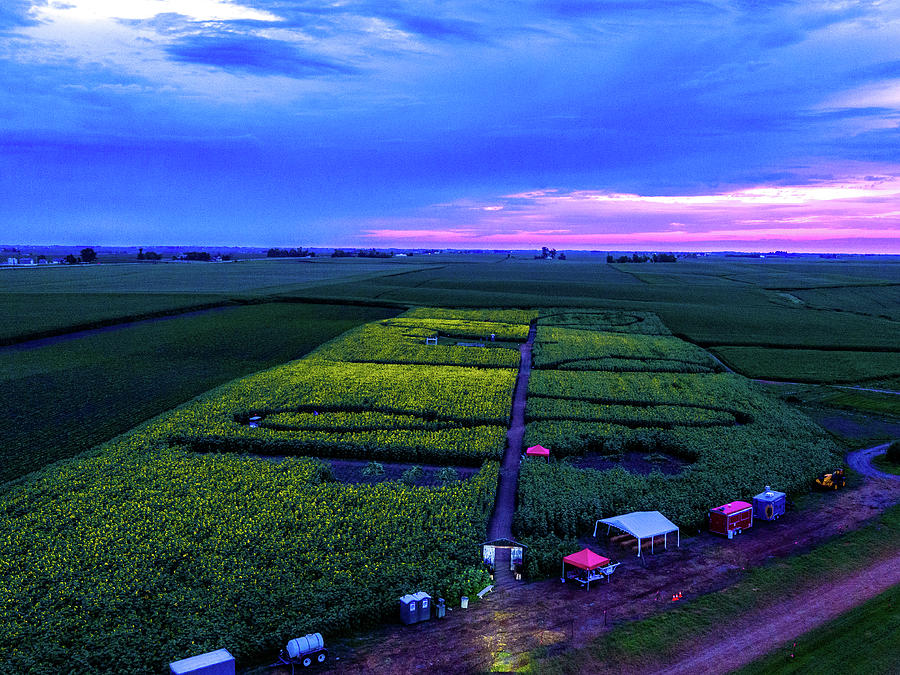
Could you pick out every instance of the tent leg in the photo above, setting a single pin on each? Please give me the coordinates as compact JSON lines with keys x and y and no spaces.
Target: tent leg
{"x":652,"y":540}
{"x":679,"y":538}
{"x":639,"y":547}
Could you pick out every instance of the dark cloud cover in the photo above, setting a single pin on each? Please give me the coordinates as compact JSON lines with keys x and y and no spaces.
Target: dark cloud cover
{"x":258,"y":56}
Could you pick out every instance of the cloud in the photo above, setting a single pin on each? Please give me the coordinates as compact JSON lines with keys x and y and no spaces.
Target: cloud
{"x":14,"y":14}
{"x":254,"y":55}
{"x":437,"y":28}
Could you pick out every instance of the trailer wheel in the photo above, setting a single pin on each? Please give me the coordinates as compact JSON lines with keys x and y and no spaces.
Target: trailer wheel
{"x":321,"y":657}
{"x":307,"y":661}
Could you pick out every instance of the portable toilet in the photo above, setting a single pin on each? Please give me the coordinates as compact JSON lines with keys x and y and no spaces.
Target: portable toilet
{"x":409,"y":609}
{"x":731,"y":518}
{"x":769,"y":504}
{"x":424,"y":603}
{"x":219,"y":662}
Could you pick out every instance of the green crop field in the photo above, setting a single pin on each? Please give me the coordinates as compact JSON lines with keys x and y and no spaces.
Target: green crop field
{"x":847,"y":305}
{"x":811,"y":365}
{"x":64,"y":398}
{"x":169,"y":540}
{"x":442,"y":404}
{"x":727,"y":437}
{"x":173,"y":551}
{"x":60,"y":298}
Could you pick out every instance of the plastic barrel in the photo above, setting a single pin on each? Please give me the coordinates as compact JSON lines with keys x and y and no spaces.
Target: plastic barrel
{"x":305,"y":645}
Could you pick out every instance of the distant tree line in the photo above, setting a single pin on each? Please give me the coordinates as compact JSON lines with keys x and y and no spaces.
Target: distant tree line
{"x":88,"y":255}
{"x":149,"y":255}
{"x":362,"y":253}
{"x":548,"y":254}
{"x":642,"y":258}
{"x":290,"y":253}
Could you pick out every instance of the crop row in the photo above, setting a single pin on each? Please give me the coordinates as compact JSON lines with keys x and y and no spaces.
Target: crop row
{"x":660,"y":414}
{"x":609,"y":321}
{"x":364,"y":410}
{"x":403,"y":341}
{"x":556,"y":346}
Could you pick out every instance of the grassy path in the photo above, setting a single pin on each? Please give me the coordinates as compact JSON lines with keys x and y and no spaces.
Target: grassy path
{"x":759,"y":633}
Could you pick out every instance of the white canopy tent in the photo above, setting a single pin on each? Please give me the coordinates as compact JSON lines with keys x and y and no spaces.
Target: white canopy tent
{"x":642,"y":525}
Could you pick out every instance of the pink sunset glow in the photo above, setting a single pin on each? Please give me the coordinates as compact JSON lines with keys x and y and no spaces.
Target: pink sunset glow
{"x":856,"y":214}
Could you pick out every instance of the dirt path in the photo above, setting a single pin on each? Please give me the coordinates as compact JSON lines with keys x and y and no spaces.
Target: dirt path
{"x":861,"y":461}
{"x":760,"y":633}
{"x":500,"y":524}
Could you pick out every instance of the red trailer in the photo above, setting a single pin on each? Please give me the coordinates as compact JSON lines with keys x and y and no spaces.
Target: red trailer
{"x":731,"y":518}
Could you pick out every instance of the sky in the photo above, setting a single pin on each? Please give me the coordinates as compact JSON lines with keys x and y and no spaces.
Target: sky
{"x":604,"y":125}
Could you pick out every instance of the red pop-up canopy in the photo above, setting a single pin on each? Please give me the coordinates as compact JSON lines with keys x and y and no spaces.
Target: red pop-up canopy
{"x":538,"y":450}
{"x":586,"y":559}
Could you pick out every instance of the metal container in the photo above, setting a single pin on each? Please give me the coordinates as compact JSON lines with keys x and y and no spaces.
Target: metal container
{"x":219,"y":662}
{"x":440,"y":608}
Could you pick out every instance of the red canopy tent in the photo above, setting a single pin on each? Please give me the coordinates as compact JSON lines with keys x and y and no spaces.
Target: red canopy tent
{"x":538,"y":451}
{"x":595,"y":565}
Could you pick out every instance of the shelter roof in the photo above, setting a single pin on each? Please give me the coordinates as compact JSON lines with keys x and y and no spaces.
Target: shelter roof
{"x":504,"y":542}
{"x":732,"y":507}
{"x":538,"y":450}
{"x":586,"y":559}
{"x":642,"y":524}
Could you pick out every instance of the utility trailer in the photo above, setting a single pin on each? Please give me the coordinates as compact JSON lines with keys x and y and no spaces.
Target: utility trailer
{"x":303,"y":651}
{"x":731,"y":518}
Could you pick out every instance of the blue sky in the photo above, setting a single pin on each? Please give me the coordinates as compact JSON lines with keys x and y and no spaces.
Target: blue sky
{"x":682,"y":125}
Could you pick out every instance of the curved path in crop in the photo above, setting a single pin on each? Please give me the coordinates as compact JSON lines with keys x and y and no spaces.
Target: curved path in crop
{"x":861,"y":461}
{"x":500,"y":524}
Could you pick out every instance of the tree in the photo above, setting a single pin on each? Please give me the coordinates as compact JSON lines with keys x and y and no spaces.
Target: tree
{"x":71,"y":260}
{"x":140,"y":255}
{"x":88,"y":255}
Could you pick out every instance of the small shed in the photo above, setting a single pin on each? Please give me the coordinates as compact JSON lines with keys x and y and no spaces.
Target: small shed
{"x":219,"y":662}
{"x":538,"y":451}
{"x":731,"y":518}
{"x":643,"y":525}
{"x":769,"y":504}
{"x":432,"y":341}
{"x":516,"y":554}
{"x":584,"y":567}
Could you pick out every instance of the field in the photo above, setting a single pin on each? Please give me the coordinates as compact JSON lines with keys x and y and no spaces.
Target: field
{"x":172,"y":551}
{"x":377,"y":392}
{"x":62,"y":399}
{"x":724,"y":435}
{"x":842,"y":306}
{"x":873,"y":629}
{"x":198,"y":527}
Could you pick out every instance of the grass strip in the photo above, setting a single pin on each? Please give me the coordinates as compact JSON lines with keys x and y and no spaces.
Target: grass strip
{"x":871,"y":631}
{"x":660,"y":638}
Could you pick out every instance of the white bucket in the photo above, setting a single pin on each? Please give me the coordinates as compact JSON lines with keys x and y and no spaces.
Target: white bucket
{"x":464,"y":602}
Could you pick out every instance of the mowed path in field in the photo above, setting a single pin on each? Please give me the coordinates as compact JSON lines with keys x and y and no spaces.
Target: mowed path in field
{"x":774,"y":627}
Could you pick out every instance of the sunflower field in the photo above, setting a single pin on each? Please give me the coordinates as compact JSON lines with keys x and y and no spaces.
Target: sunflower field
{"x":731,"y":438}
